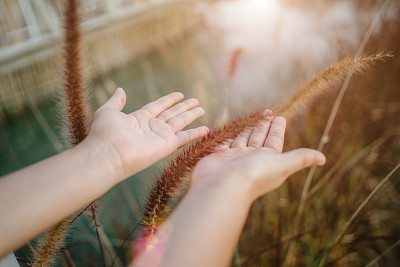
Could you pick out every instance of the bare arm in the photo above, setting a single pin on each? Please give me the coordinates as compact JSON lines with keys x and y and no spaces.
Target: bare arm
{"x":118,"y":145}
{"x":206,"y":225}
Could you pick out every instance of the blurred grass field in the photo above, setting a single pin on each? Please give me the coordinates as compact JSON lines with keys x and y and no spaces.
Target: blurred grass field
{"x":362,"y":149}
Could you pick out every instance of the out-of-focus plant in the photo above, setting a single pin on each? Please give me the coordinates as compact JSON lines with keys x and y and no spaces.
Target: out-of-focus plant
{"x":157,"y":205}
{"x":77,"y":113}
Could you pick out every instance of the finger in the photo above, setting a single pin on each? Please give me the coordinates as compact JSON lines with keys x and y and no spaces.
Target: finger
{"x":276,"y":135}
{"x":260,"y":132}
{"x":161,"y":104}
{"x":117,"y":100}
{"x":301,"y":158}
{"x":187,"y":136}
{"x":242,"y":139}
{"x":179,"y":122}
{"x":178,"y":109}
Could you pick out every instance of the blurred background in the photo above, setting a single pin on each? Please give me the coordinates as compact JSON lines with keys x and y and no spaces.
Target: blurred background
{"x":234,"y":56}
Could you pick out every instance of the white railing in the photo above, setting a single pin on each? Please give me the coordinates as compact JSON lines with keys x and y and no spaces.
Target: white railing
{"x":23,"y":20}
{"x":17,"y":22}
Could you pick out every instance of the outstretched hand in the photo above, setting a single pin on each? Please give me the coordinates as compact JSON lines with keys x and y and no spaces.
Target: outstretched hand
{"x":141,"y":138}
{"x":255,"y":158}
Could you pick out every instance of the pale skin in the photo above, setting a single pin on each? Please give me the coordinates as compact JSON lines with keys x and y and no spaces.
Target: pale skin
{"x":119,"y":145}
{"x":210,"y":218}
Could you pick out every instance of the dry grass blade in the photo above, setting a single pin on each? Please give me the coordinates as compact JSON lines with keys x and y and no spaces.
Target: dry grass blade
{"x":355,"y":214}
{"x":290,"y":256}
{"x":115,"y":259}
{"x":302,"y":97}
{"x":374,"y":261}
{"x":339,"y":165}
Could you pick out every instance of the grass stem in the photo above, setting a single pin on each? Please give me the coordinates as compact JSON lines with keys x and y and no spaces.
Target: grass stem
{"x":290,"y":256}
{"x":343,"y":231}
{"x":375,"y":261}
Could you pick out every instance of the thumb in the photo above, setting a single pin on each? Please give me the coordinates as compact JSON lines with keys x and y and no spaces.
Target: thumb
{"x":117,"y":100}
{"x":301,"y":158}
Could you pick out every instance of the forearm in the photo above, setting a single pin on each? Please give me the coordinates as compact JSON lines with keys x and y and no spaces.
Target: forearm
{"x":39,"y":196}
{"x":205,"y":227}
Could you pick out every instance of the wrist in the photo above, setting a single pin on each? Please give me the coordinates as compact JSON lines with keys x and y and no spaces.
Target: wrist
{"x":101,"y":157}
{"x":226,"y":186}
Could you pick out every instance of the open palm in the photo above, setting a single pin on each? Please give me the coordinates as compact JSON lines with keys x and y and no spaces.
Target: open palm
{"x":255,"y":157}
{"x":141,"y":138}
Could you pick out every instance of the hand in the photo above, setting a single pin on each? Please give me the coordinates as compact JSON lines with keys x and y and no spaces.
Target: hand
{"x":255,"y":158}
{"x":139,"y":139}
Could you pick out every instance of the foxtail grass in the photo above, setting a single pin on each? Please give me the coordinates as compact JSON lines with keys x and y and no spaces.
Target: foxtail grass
{"x":231,"y":67}
{"x":77,"y":108}
{"x":157,"y":205}
{"x":331,"y":77}
{"x":49,"y":245}
{"x":76,"y":112}
{"x":291,"y":257}
{"x":230,"y":71}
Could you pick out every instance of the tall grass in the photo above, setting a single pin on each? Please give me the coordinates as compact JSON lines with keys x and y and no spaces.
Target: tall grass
{"x":77,"y":115}
{"x":290,"y":258}
{"x":351,"y":211}
{"x":350,"y":216}
{"x":157,"y":205}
